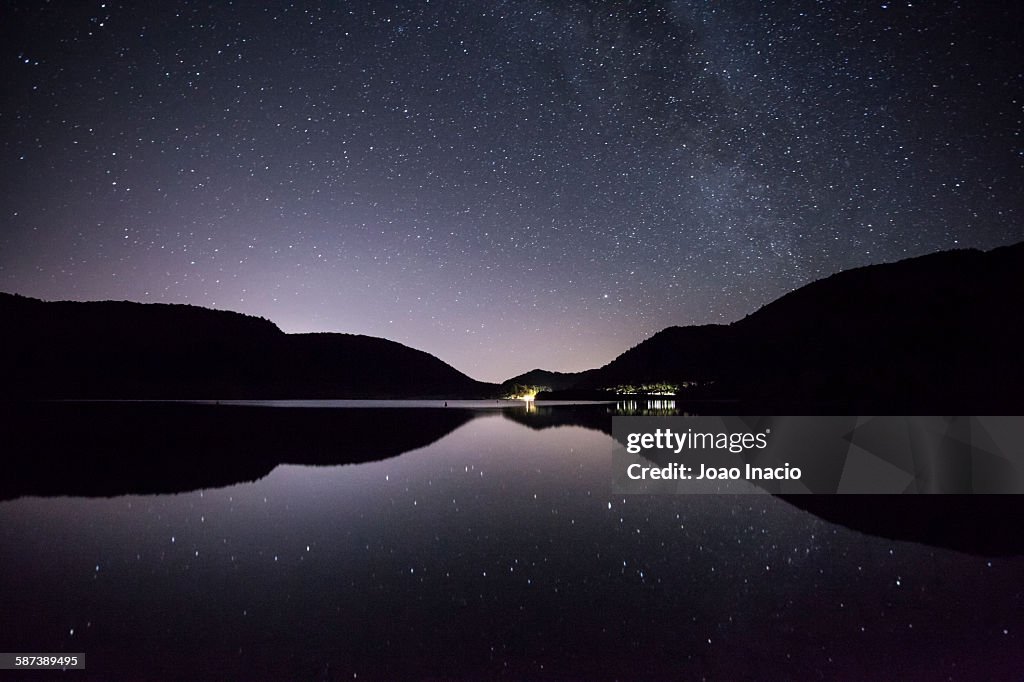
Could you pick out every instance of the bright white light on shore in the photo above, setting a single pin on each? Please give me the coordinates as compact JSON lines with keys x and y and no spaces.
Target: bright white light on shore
{"x":528,"y":397}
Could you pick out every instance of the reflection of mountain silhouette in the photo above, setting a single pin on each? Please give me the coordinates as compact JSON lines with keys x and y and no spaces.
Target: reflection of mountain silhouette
{"x":122,"y":448}
{"x":99,"y":449}
{"x":977,"y":524}
{"x":144,"y":448}
{"x":594,"y":417}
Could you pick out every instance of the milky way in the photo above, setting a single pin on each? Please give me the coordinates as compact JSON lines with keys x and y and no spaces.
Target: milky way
{"x":503,"y":184}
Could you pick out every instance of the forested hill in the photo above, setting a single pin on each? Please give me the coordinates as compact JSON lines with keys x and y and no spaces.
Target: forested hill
{"x":114,"y":349}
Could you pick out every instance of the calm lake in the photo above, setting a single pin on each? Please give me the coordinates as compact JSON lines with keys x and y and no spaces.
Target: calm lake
{"x":483,"y":542}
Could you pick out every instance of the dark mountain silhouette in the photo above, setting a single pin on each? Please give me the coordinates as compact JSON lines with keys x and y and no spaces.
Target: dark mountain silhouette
{"x":930,"y":334}
{"x":130,"y":350}
{"x":554,"y":381}
{"x":675,"y":354}
{"x":936,"y":334}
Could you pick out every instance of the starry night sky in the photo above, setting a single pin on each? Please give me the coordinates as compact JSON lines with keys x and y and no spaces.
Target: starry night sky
{"x":505,"y":185}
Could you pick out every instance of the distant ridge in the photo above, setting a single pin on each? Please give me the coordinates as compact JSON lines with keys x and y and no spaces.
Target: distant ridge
{"x":111,"y":349}
{"x":937,"y":332}
{"x":542,"y":378}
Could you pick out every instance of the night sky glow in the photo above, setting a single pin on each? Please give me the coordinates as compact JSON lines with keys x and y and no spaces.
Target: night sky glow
{"x":506,"y":185}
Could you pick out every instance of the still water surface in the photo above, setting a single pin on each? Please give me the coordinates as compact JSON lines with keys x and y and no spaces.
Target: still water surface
{"x":496,"y":551}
